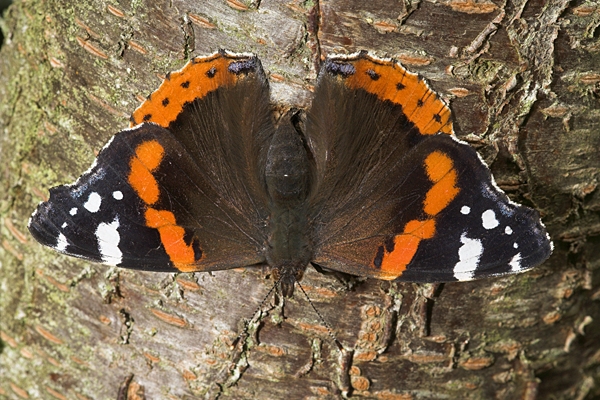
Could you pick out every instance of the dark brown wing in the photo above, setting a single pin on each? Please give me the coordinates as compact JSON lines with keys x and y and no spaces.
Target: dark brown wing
{"x":184,"y":190}
{"x":393,"y":186}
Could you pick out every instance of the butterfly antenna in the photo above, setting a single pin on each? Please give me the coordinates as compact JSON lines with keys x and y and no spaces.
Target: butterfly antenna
{"x":260,"y":305}
{"x":329,"y":330}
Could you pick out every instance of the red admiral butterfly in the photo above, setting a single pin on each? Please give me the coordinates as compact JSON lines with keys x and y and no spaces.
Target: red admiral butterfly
{"x":369,"y":181}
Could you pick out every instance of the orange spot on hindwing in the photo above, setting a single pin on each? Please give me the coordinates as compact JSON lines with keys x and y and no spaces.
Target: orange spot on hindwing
{"x":148,"y":156}
{"x":393,"y":257}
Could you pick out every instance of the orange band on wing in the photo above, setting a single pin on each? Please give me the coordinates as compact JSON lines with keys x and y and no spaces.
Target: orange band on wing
{"x":419,"y":103}
{"x":148,"y":156}
{"x":405,"y":246}
{"x":421,"y":229}
{"x":199,"y":77}
{"x":440,"y":171}
{"x":171,"y":236}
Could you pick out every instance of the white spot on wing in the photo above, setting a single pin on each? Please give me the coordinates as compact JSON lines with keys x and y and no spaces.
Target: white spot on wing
{"x":61,"y":242}
{"x":515,"y":245}
{"x":93,"y":202}
{"x":108,"y":242}
{"x":489,"y":219}
{"x":118,"y":195}
{"x":73,"y":211}
{"x":469,"y":254}
{"x":465,"y":210}
{"x":548,"y":237}
{"x":64,"y":225}
{"x":508,"y":230}
{"x":515,"y":263}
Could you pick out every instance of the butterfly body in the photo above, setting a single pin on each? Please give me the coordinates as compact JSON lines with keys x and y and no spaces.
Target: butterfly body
{"x":287,"y":179}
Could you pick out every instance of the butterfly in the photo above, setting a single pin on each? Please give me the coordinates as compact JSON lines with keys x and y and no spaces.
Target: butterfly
{"x":370,"y":180}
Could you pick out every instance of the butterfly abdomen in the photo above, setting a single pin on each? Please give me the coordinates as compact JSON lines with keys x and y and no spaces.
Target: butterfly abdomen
{"x":287,"y":180}
{"x":289,"y":246}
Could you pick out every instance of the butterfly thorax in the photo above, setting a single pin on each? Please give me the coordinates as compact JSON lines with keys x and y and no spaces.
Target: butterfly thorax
{"x":287,"y":175}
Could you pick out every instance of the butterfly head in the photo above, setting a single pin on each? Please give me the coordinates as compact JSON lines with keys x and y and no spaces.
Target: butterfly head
{"x":287,"y":276}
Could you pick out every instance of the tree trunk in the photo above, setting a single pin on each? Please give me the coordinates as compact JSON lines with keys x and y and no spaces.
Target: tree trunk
{"x":523,"y":82}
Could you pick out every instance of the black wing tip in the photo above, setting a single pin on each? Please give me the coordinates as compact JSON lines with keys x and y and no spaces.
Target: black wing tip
{"x":40,"y":229}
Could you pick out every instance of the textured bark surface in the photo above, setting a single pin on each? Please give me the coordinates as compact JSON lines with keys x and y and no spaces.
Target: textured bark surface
{"x":523,"y":82}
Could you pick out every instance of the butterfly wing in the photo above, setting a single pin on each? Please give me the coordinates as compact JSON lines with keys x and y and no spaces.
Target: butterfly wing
{"x":397,"y":196}
{"x":183,"y":190}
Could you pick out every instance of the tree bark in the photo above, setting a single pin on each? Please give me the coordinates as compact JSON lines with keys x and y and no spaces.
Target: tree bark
{"x":523,"y":81}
